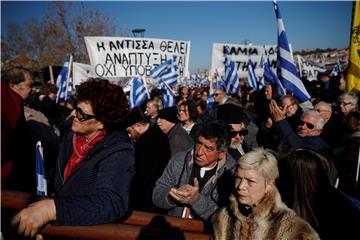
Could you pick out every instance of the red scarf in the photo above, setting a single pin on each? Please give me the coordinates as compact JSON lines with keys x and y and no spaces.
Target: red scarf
{"x":81,"y":147}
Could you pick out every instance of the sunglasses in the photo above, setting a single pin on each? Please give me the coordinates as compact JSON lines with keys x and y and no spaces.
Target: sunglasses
{"x":216,"y":94}
{"x":243,"y":132}
{"x":308,"y":125}
{"x":79,"y":114}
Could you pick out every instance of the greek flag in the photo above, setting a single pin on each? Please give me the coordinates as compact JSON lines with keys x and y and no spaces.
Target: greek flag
{"x":138,"y":92}
{"x":41,"y":189}
{"x":232,"y":84}
{"x":168,"y":97}
{"x":166,"y":72}
{"x":63,"y":82}
{"x":252,"y":79}
{"x":288,"y":72}
{"x":270,"y":77}
{"x":336,"y":70}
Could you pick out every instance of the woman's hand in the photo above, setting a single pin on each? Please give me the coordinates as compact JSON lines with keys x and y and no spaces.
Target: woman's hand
{"x":32,"y":218}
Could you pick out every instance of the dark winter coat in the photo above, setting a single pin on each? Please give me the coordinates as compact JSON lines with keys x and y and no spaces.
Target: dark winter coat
{"x":97,"y":191}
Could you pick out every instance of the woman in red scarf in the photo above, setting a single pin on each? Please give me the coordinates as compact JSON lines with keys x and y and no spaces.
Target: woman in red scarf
{"x":94,"y":167}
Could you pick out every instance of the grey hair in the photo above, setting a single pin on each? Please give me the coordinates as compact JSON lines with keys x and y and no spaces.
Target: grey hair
{"x":262,"y":160}
{"x":349,"y":97}
{"x":320,"y":123}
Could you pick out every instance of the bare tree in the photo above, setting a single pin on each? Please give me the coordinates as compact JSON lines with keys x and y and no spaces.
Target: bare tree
{"x":59,"y":33}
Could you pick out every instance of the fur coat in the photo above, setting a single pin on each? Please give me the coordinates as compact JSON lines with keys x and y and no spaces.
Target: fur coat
{"x":270,"y":219}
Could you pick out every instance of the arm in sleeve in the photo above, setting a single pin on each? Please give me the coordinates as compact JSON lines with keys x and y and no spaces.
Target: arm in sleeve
{"x":109,"y":202}
{"x":285,"y":133}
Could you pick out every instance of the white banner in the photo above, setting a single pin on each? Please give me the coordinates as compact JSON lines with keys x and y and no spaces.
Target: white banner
{"x":240,"y":54}
{"x":129,"y":57}
{"x":81,"y":72}
{"x":308,"y":69}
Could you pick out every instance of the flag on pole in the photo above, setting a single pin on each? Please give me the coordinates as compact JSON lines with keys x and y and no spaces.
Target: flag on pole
{"x":336,"y":70}
{"x":252,"y":79}
{"x":289,"y":74}
{"x":353,"y":74}
{"x":63,"y":82}
{"x":168,"y":97}
{"x":138,"y":92}
{"x":41,"y":182}
{"x":270,"y":77}
{"x":232,"y":84}
{"x":167,"y":71}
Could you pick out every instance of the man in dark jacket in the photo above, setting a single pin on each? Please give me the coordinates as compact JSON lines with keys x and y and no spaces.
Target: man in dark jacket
{"x":308,"y":133}
{"x":152,"y":153}
{"x":168,"y":122}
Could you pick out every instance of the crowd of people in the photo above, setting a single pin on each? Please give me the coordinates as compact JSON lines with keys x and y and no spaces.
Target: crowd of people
{"x":258,"y":165}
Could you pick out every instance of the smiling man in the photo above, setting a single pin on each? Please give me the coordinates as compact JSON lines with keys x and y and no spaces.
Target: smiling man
{"x":191,"y":182}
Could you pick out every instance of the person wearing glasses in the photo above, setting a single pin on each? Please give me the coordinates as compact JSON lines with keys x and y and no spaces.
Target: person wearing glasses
{"x":196,"y":182}
{"x":308,"y":133}
{"x":94,"y":167}
{"x":234,"y":116}
{"x":348,"y":103}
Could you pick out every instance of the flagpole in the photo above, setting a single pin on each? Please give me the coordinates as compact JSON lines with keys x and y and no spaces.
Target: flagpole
{"x":51,"y":75}
{"x":147,"y":90}
{"x":167,"y":86}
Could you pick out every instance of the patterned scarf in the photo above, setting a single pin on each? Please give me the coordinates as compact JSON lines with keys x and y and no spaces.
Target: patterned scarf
{"x":81,"y":147}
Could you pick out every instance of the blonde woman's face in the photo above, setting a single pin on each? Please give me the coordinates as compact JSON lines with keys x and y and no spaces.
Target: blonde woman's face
{"x":250,"y":186}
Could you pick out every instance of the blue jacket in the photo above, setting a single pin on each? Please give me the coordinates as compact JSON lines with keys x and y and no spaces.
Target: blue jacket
{"x":97,"y":191}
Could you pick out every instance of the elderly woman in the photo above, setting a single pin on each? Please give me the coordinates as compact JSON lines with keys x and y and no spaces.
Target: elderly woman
{"x":94,"y":167}
{"x":256,"y":210}
{"x":348,"y":102}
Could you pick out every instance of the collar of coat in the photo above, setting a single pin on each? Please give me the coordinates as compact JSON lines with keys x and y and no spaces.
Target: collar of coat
{"x":270,"y":200}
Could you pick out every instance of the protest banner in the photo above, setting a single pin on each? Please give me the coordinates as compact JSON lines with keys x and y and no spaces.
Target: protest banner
{"x":307,"y":69}
{"x":131,"y":57}
{"x":240,"y":54}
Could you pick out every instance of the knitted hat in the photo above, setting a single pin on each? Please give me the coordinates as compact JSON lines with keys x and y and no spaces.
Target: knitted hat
{"x":134,"y":116}
{"x":169,"y":114}
{"x":231,"y":114}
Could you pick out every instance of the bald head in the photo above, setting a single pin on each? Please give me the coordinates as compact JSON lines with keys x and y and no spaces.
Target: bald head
{"x":324,"y":109}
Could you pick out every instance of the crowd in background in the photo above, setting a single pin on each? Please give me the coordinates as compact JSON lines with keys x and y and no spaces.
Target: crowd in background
{"x":102,"y":158}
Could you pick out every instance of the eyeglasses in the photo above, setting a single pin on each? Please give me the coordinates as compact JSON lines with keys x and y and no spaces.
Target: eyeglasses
{"x":216,"y":94}
{"x":308,"y":125}
{"x":322,"y":110}
{"x":345,"y":103}
{"x":243,"y":132}
{"x":79,"y":114}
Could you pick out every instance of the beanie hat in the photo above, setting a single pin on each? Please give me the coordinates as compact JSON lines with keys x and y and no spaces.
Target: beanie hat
{"x":169,"y":114}
{"x":231,"y":114}
{"x":134,"y":116}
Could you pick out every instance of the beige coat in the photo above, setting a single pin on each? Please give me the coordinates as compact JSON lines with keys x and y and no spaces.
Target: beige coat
{"x":270,"y":219}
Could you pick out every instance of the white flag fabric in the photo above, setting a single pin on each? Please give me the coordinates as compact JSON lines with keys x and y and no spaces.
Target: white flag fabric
{"x":138,"y":92}
{"x":232,"y":84}
{"x":252,"y":79}
{"x":41,"y":182}
{"x":63,"y":82}
{"x":289,"y":74}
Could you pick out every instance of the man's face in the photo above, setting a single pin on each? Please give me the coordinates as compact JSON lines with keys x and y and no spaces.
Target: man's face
{"x":237,"y":135}
{"x":325,"y":113}
{"x":24,"y":88}
{"x":133,"y":132}
{"x":307,"y":126}
{"x":290,"y":108}
{"x":217,"y":95}
{"x":151,"y":109}
{"x":164,"y":125}
{"x":206,"y":153}
{"x":250,"y":186}
{"x":346,"y":106}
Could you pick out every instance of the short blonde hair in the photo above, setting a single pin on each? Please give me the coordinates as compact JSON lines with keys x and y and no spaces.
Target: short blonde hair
{"x":261,"y":160}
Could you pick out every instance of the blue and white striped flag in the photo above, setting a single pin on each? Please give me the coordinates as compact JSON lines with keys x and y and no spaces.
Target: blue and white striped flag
{"x":63,"y":82}
{"x":41,"y":182}
{"x":168,"y":97}
{"x":252,"y":79}
{"x":270,"y":77}
{"x":138,"y":92}
{"x":336,"y":70}
{"x":232,"y":84}
{"x":288,"y":72}
{"x":166,"y":72}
